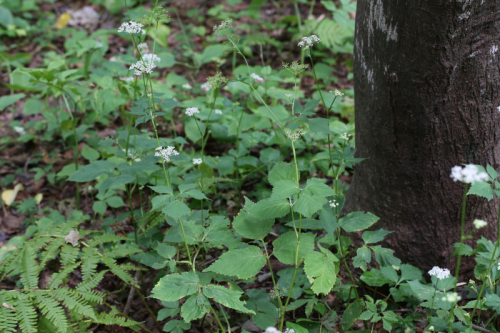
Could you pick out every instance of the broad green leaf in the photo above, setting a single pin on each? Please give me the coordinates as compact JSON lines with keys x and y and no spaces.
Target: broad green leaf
{"x":9,"y":99}
{"x":390,"y":273}
{"x":166,"y":251}
{"x":409,"y":272}
{"x":363,"y":256}
{"x":219,"y":233}
{"x":316,"y":186}
{"x":195,"y":307}
{"x":270,"y":208}
{"x":251,"y":227}
{"x":226,"y":297}
{"x":281,"y":171}
{"x":91,"y":171}
{"x":370,"y":237}
{"x":308,"y":205}
{"x":243,"y":263}
{"x":284,"y":189}
{"x":99,"y":207}
{"x":357,"y":221}
{"x":374,"y":278}
{"x":421,"y":291}
{"x":285,"y":247}
{"x":493,"y":301}
{"x":385,"y":256}
{"x":197,"y":194}
{"x":90,"y":153}
{"x":175,"y":286}
{"x":492,"y":172}
{"x":162,"y":189}
{"x":318,"y":125}
{"x":482,"y":189}
{"x":115,"y":202}
{"x":187,"y":187}
{"x":321,"y":271}
{"x":352,"y":313}
{"x":192,"y":231}
{"x":176,"y":209}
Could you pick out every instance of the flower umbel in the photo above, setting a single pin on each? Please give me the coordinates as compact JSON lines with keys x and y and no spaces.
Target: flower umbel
{"x":468,"y":175}
{"x":294,"y":135}
{"x":197,"y":161}
{"x":308,"y":42}
{"x":480,"y":223}
{"x":333,"y":203}
{"x":257,"y":78}
{"x":440,"y":273}
{"x":451,"y":297}
{"x":218,"y":111}
{"x":165,"y":153}
{"x":146,"y":65}
{"x":191,"y":111}
{"x":345,"y":136}
{"x":295,"y":67}
{"x":131,"y":27}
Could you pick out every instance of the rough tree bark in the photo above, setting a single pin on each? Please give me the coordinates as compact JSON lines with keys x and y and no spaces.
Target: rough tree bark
{"x":427,"y":88}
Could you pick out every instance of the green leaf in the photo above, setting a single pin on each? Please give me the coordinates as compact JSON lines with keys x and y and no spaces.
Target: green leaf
{"x":90,"y":153}
{"x":251,"y":227}
{"x":195,"y":307}
{"x":243,"y":263}
{"x":421,"y":291}
{"x":363,"y":256}
{"x":493,"y":301}
{"x":281,"y":171}
{"x":352,"y":313}
{"x":115,"y":202}
{"x":370,"y":237}
{"x":162,"y":189}
{"x":192,"y":231}
{"x":219,"y":233}
{"x":166,"y":251}
{"x":197,"y":194}
{"x":29,"y":268}
{"x":409,"y":272}
{"x":284,"y":189}
{"x":176,"y":209}
{"x":91,"y":171}
{"x":374,"y":278}
{"x":492,"y":172}
{"x":390,"y":273}
{"x":308,"y":205}
{"x":270,"y":208}
{"x":99,"y":207}
{"x":226,"y":297}
{"x":285,"y":247}
{"x":384,"y":256}
{"x":316,"y":186}
{"x":9,"y":99}
{"x":176,"y":286}
{"x":482,"y":189}
{"x":357,"y":221}
{"x":321,"y":271}
{"x":319,"y":125}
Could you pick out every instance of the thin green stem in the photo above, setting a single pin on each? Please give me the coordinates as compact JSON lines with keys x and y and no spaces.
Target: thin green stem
{"x":432,"y":306}
{"x":185,"y":243}
{"x":272,"y":274}
{"x":217,"y":318}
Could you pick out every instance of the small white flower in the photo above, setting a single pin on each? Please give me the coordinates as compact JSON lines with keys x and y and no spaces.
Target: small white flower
{"x":498,"y":108}
{"x":468,"y":175}
{"x":206,"y":86}
{"x":289,"y":330}
{"x":257,"y":78}
{"x":197,"y":160}
{"x":498,"y":266}
{"x":129,"y":79}
{"x":451,"y":297}
{"x":338,"y":93}
{"x":165,"y":153}
{"x":191,"y":111}
{"x":271,"y":330}
{"x":480,"y":224}
{"x":19,"y":130}
{"x":146,"y":65}
{"x":308,"y":42}
{"x":186,"y":86}
{"x":131,"y":27}
{"x":333,"y":203}
{"x":345,"y":136}
{"x":289,"y":95}
{"x":218,"y":111}
{"x":440,"y":273}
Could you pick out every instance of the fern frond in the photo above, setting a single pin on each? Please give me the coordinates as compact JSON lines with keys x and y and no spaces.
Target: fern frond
{"x":57,"y":278}
{"x":26,"y":314}
{"x":40,"y":242}
{"x":10,"y":263}
{"x":113,"y":319}
{"x":51,"y":251}
{"x":332,"y":34}
{"x":92,"y":282}
{"x":29,"y":268}
{"x":106,"y":238}
{"x":129,"y":267}
{"x":91,"y":296}
{"x":118,"y":271}
{"x":150,"y":219}
{"x":122,"y":250}
{"x":89,"y":264}
{"x":69,"y":254}
{"x":8,"y":321}
{"x":74,"y":302}
{"x":52,"y":310}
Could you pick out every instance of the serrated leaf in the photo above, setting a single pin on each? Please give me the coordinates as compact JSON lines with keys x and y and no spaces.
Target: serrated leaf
{"x":308,"y":205}
{"x":284,"y":189}
{"x":352,"y":313}
{"x":162,"y":189}
{"x":316,"y":186}
{"x":482,"y":189}
{"x":409,"y":272}
{"x":175,"y":286}
{"x":363,"y":256}
{"x":319,"y":125}
{"x":321,"y":271}
{"x":243,"y":263}
{"x":226,"y":297}
{"x":370,"y":237}
{"x":493,"y":301}
{"x":285,"y":247}
{"x":91,"y":171}
{"x":195,"y":307}
{"x":421,"y":291}
{"x":197,"y":194}
{"x":374,"y":278}
{"x":357,"y":221}
{"x":251,"y":227}
{"x":281,"y":171}
{"x":385,"y":256}
{"x":176,"y":209}
{"x":390,"y":273}
{"x":270,"y":208}
{"x":166,"y":251}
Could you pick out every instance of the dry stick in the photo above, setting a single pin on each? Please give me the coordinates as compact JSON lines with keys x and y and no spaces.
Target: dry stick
{"x":148,"y":308}
{"x":130,"y":296}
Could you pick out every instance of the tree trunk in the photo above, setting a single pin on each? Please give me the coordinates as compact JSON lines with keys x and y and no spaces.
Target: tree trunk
{"x":427,"y":88}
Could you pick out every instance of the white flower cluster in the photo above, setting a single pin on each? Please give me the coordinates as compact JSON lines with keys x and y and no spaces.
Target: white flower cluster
{"x":333,"y":203}
{"x":440,"y":273}
{"x":338,"y":93}
{"x":468,"y":175}
{"x":206,"y":86}
{"x":275,"y":330}
{"x":131,"y":27}
{"x":186,"y":86}
{"x":479,"y":223}
{"x":451,"y":297}
{"x":191,"y":111}
{"x":19,"y":130}
{"x":345,"y":136}
{"x":308,"y":42}
{"x":129,"y":79}
{"x":294,"y":135}
{"x":146,"y":65}
{"x":165,"y":153}
{"x":197,"y":160}
{"x":218,"y":111}
{"x":143,"y":48}
{"x":257,"y":78}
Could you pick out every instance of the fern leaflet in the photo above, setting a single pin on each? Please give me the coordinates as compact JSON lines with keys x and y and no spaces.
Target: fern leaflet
{"x":29,"y":269}
{"x":7,"y":315}
{"x":106,"y":238}
{"x":89,"y":264}
{"x":92,"y":282}
{"x":57,"y":278}
{"x":74,"y":302}
{"x":118,"y":271}
{"x":25,"y":314}
{"x":69,"y":254}
{"x":52,"y":310}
